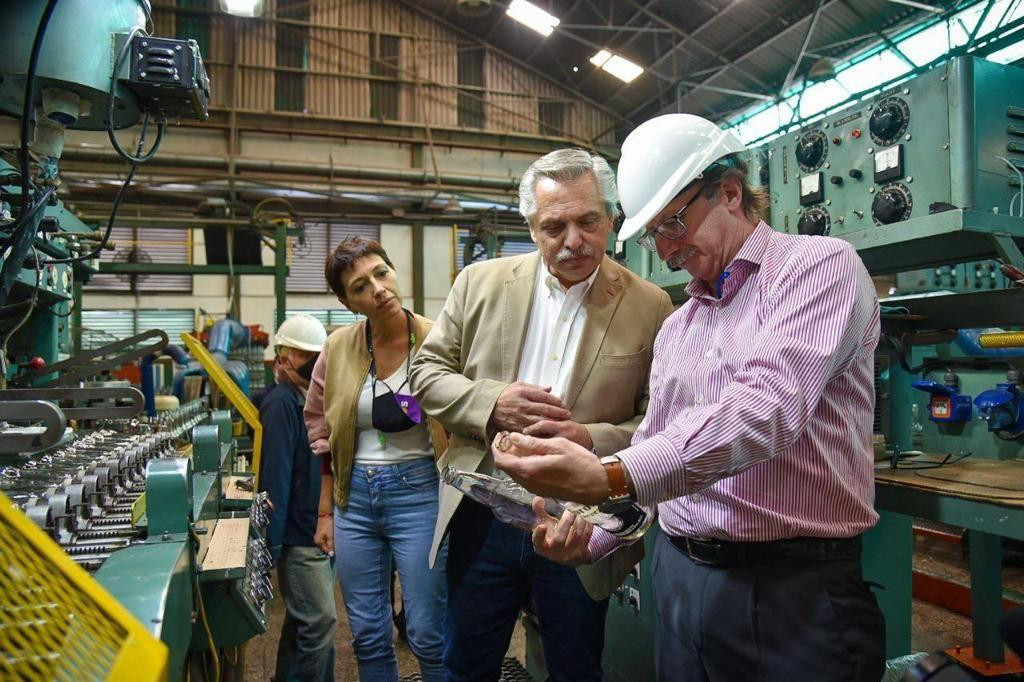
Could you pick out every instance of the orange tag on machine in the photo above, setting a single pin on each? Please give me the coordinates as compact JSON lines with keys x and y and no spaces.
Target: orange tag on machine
{"x":941,"y":407}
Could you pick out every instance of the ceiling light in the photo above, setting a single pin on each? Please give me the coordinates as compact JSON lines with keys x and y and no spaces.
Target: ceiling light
{"x":242,"y":8}
{"x":534,"y":17}
{"x":620,"y":67}
{"x":453,"y":206}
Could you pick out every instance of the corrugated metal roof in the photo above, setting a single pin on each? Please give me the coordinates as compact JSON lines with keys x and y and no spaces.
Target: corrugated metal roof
{"x":725,"y":44}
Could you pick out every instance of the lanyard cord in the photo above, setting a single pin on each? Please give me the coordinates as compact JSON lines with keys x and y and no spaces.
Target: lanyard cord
{"x":373,"y":359}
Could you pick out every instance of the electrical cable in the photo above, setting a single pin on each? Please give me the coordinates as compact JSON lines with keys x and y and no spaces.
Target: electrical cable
{"x":21,"y":323}
{"x":1020,"y":179}
{"x":113,"y":209}
{"x":26,"y":108}
{"x":111,"y":98}
{"x":206,"y":623}
{"x":18,"y":245}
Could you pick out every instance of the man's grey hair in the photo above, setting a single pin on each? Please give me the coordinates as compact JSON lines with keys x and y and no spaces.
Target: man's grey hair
{"x":564,"y":165}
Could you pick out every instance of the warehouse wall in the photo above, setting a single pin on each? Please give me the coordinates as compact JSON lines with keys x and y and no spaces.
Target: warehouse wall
{"x":210,"y":292}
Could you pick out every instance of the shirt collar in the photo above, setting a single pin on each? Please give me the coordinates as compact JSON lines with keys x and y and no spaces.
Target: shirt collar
{"x":751,"y":252}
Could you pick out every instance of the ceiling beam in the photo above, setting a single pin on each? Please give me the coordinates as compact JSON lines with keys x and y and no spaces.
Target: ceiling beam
{"x":411,"y":4}
{"x":803,"y":49}
{"x":682,"y":43}
{"x":689,"y":37}
{"x":739,"y":41}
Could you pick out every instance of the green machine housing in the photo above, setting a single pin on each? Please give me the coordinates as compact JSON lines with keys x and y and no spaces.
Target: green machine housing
{"x":913,"y":179}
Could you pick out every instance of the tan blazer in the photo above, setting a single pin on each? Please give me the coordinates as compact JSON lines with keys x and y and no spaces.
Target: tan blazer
{"x":473,"y":351}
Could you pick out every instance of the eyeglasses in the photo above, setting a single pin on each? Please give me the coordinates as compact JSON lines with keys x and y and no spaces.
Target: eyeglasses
{"x":672,"y":227}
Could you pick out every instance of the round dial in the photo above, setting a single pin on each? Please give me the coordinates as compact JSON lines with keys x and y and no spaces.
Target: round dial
{"x":892,"y":204}
{"x":815,"y":221}
{"x":889,"y":120}
{"x":811,"y":150}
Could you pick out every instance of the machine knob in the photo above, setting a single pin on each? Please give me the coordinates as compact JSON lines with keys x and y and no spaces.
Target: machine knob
{"x":836,"y":180}
{"x":810,"y":150}
{"x":815,"y":222}
{"x":856,"y":173}
{"x":888,"y":120}
{"x":891,"y":205}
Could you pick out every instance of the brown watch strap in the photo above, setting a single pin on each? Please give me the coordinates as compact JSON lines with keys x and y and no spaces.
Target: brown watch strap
{"x":618,"y":488}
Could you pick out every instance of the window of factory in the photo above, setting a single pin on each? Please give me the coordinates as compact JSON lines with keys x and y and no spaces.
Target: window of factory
{"x":146,"y":245}
{"x":880,"y":64}
{"x":471,"y":99}
{"x":384,"y":54}
{"x":307,"y":257}
{"x":291,"y":45}
{"x":472,"y":249}
{"x":100,"y":327}
{"x":194,"y":25}
{"x":329,"y":317}
{"x":552,"y":117}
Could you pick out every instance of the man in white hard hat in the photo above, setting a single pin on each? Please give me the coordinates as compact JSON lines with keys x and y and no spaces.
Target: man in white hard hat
{"x":290,"y":474}
{"x":756,"y":446}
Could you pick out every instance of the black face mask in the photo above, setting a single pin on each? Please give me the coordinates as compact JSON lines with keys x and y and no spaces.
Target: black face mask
{"x":306,"y":370}
{"x":393,"y":411}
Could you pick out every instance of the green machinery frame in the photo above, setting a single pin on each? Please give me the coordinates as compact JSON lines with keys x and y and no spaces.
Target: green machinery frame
{"x":962,"y":114}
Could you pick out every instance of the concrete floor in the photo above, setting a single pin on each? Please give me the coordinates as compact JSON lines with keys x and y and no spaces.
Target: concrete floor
{"x":261,"y":652}
{"x":934,"y":628}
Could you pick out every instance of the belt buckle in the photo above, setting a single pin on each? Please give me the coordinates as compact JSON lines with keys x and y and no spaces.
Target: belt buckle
{"x":692,"y":554}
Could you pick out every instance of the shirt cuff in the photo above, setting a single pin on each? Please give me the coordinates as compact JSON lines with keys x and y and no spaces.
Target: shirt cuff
{"x":602,"y":543}
{"x":653,"y":467}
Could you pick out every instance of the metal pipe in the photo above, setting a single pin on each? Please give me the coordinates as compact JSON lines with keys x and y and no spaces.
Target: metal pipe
{"x":270,"y":166}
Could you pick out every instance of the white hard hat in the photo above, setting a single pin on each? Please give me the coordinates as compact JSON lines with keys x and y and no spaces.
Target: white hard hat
{"x":303,"y":332}
{"x":661,"y":157}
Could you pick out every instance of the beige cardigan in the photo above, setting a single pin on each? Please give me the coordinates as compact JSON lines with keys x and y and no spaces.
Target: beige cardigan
{"x":333,"y":398}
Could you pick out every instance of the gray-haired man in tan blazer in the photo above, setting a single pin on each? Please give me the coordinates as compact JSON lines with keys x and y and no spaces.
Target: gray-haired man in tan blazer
{"x":554,"y":343}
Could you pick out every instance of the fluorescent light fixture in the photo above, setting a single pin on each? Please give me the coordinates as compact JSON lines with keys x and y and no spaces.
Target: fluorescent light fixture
{"x":531,"y":16}
{"x":242,"y":8}
{"x":620,"y":67}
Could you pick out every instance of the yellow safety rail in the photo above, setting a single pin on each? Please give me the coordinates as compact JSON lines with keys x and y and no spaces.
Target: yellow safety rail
{"x":57,"y":622}
{"x":234,"y":395}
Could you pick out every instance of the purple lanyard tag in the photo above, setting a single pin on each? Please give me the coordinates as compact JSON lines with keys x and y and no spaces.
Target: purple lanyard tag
{"x":410,"y":406}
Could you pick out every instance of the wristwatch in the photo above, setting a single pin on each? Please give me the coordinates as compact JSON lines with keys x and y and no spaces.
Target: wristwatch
{"x":618,"y":494}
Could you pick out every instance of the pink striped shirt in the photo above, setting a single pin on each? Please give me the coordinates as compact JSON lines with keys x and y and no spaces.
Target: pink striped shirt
{"x":761,"y":400}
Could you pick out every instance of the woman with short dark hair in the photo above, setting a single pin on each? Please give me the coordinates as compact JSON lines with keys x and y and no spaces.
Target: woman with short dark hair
{"x":378,"y":497}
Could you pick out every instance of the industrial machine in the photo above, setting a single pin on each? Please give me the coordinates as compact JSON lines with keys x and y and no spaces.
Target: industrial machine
{"x":133,"y":542}
{"x":924,"y":179}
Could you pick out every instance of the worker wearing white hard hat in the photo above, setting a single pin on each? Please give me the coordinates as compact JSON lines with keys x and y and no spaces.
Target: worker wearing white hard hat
{"x":757,"y":443}
{"x":290,"y":475}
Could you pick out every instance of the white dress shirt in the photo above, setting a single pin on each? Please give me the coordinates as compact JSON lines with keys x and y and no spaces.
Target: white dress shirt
{"x":556,"y":324}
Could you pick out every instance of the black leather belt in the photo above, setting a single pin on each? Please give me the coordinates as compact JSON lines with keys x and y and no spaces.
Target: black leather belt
{"x":723,"y":553}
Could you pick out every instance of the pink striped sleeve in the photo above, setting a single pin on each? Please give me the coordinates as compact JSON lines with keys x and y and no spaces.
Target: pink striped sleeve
{"x":815,"y":321}
{"x":313,"y":413}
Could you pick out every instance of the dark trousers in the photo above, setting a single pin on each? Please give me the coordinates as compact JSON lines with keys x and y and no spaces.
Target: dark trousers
{"x":783,"y":621}
{"x":492,"y":573}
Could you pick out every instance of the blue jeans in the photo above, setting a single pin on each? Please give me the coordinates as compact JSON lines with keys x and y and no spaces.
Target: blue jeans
{"x":306,"y":649}
{"x":391,"y":514}
{"x":492,"y":573}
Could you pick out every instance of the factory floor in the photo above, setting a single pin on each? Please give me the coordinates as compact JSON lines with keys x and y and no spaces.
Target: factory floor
{"x":934,"y":627}
{"x":261,"y":653}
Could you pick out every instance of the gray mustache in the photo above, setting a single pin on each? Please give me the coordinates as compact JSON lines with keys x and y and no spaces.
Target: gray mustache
{"x":565,"y":254}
